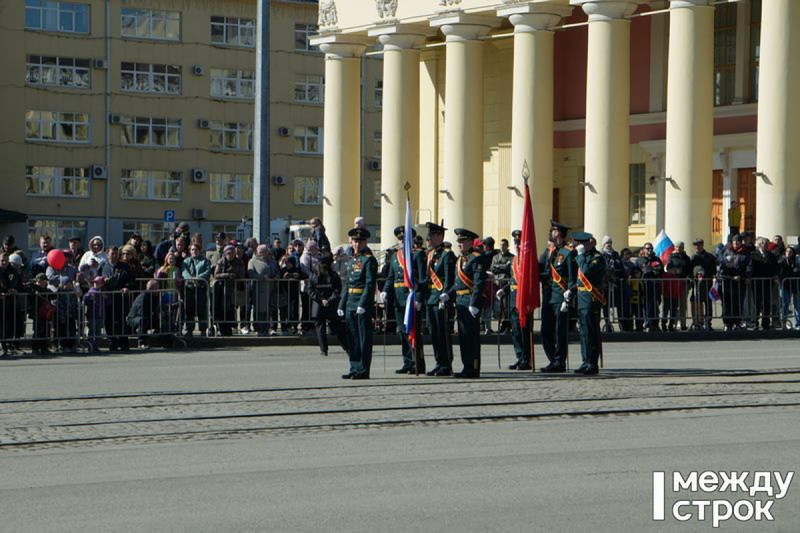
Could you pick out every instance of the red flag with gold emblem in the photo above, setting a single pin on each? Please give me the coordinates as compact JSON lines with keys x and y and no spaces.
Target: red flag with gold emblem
{"x":528,"y":288}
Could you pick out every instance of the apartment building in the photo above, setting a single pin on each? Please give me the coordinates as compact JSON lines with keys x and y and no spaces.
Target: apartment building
{"x":124,"y":115}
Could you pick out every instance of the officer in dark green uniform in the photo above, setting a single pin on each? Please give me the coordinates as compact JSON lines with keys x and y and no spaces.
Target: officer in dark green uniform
{"x":357,"y":305}
{"x":560,"y":262}
{"x":439,"y":272}
{"x":467,"y":291}
{"x":395,"y":285}
{"x":590,"y":273}
{"x":520,"y":337}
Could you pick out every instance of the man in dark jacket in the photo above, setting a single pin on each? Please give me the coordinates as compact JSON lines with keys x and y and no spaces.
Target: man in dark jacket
{"x":762,"y":273}
{"x":324,"y":291}
{"x":612,"y":286}
{"x":704,"y":266}
{"x":680,"y":261}
{"x":650,"y":287}
{"x":732,"y":273}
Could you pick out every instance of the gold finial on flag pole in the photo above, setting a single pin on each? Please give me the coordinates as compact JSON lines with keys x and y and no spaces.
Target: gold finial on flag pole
{"x":526,"y":173}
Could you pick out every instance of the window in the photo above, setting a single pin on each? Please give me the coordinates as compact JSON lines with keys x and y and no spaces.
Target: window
{"x":231,"y":187}
{"x":233,"y":31}
{"x":58,"y":230}
{"x":149,"y":131}
{"x":57,"y":181}
{"x":58,"y":71}
{"x":378,"y":138}
{"x":52,"y":15}
{"x":308,"y":191}
{"x":56,"y":126}
{"x":638,"y":193}
{"x":377,"y":195}
{"x":153,"y":231}
{"x":151,"y":24}
{"x":233,"y":83}
{"x":231,"y":136}
{"x":151,"y":184}
{"x":379,"y":94}
{"x":755,"y":47}
{"x":307,"y":140}
{"x":228,"y":229}
{"x":309,"y":88}
{"x":302,"y":35}
{"x":148,"y":78}
{"x":724,"y":53}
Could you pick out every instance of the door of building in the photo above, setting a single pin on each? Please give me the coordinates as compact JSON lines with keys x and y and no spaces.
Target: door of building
{"x":747,"y":198}
{"x":717,"y":232}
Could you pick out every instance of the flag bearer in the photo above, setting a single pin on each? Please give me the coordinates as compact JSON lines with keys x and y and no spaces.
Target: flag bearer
{"x":520,"y":336}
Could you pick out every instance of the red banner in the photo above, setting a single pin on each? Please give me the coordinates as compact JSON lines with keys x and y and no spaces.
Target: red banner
{"x":528,"y":288}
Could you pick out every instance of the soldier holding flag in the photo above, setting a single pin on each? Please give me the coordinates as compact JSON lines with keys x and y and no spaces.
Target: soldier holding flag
{"x":395,"y":282}
{"x":520,"y":336}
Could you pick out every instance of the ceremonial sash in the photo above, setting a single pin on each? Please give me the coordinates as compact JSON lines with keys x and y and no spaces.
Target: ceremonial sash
{"x":515,"y":268}
{"x":437,"y":283}
{"x":597,"y":294}
{"x":556,"y":277}
{"x":463,"y":275}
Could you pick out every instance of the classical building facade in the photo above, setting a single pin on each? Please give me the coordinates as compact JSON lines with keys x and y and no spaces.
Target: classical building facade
{"x":119,"y":111}
{"x":632,"y":116}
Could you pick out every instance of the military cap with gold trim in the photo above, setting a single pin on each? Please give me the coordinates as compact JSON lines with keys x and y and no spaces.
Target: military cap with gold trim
{"x":516,"y":235}
{"x":465,"y":234}
{"x":582,"y":236}
{"x":434,"y":228}
{"x":359,"y":234}
{"x":400,"y":232}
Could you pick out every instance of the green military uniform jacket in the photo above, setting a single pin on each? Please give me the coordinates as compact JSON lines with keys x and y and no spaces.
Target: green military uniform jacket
{"x":470,"y":270}
{"x":442,"y":265}
{"x":360,"y":282}
{"x":395,"y":278}
{"x":592,"y":267}
{"x":562,"y":261}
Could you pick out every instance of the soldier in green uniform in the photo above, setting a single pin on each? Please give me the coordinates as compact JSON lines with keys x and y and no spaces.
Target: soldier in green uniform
{"x":439,"y":272}
{"x":395,"y":285}
{"x":520,"y":337}
{"x":590,"y":273}
{"x":467,"y":291}
{"x":560,"y":261}
{"x":357,"y":304}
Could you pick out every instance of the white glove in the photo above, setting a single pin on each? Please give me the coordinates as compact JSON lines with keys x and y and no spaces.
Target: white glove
{"x":340,"y":312}
{"x":418,"y":305}
{"x":568,"y":296}
{"x":443,"y":298}
{"x":580,"y":249}
{"x":360,"y":310}
{"x":499,"y":294}
{"x":383,"y":297}
{"x":564,"y":307}
{"x":474,"y":311}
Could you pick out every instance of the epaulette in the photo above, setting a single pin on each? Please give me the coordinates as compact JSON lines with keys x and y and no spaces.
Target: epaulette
{"x":476,"y":254}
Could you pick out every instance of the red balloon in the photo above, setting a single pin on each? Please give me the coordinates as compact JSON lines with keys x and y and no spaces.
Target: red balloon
{"x":56,"y":259}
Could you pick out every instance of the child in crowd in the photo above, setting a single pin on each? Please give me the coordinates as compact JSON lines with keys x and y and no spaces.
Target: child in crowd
{"x":95,"y":303}
{"x":66,"y":315}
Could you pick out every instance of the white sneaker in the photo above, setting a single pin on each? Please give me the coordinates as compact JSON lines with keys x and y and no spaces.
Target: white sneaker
{"x":245,"y":330}
{"x":272,"y":333}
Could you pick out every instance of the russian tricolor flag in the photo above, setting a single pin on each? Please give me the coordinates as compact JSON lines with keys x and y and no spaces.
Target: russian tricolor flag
{"x":663,"y":247}
{"x":714,"y":292}
{"x":410,"y":319}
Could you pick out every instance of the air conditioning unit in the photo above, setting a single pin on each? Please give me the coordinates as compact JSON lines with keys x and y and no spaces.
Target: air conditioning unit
{"x":100,"y":63}
{"x":283,"y":131}
{"x":99,"y":172}
{"x":199,"y":213}
{"x":280,"y":180}
{"x":115,"y":119}
{"x":203,"y":123}
{"x":374,"y":164}
{"x":197,"y":70}
{"x":199,"y":175}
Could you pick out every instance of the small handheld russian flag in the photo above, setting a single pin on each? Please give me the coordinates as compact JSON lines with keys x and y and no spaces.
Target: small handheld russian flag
{"x":663,"y":247}
{"x":714,"y":292}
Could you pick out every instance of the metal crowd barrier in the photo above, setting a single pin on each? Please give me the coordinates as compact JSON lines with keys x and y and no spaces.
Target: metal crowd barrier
{"x":71,"y":322}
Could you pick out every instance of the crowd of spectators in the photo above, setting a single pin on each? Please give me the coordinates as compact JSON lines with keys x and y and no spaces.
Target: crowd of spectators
{"x":107,"y":294}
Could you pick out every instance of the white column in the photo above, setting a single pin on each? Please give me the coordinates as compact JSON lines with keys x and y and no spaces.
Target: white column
{"x":607,"y":118}
{"x":400,"y":129}
{"x":532,"y":110}
{"x":690,"y":120}
{"x":342,"y":162}
{"x":462,"y":200}
{"x":778,"y":190}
